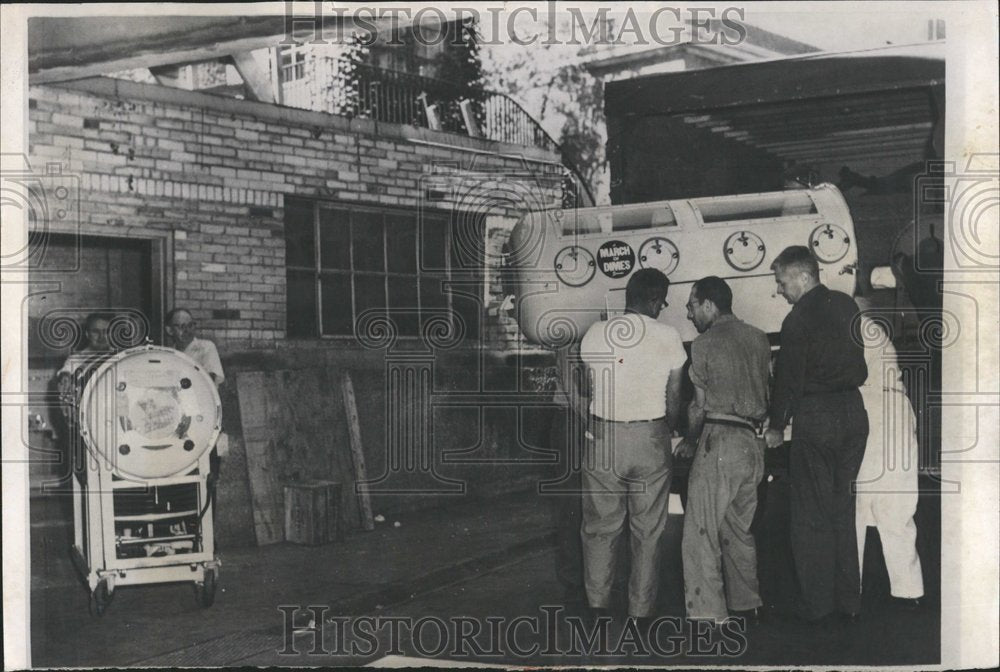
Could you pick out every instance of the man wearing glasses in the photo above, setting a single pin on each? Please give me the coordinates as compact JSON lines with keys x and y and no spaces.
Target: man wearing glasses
{"x":181,"y":332}
{"x":730,"y":362}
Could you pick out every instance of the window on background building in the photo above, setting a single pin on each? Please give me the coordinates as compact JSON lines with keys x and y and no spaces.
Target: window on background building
{"x":403,"y":51}
{"x":292,"y":61}
{"x":935,"y":30}
{"x":342,"y":261}
{"x":426,"y":58}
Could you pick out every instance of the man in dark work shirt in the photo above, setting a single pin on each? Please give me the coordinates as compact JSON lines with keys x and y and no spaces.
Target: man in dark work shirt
{"x":819,"y":370}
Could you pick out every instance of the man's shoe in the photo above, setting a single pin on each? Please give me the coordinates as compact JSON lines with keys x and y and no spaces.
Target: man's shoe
{"x":704,"y":623}
{"x":814,"y":621}
{"x":574,"y":597}
{"x":907,"y":603}
{"x":750,"y":616}
{"x":595,"y":614}
{"x":642,"y":623}
{"x":850,"y":618}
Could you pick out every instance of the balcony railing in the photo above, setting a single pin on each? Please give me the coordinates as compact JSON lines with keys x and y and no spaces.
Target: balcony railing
{"x":328,"y":84}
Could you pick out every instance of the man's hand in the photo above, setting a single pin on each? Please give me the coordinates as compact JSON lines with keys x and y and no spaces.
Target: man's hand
{"x":67,"y":389}
{"x":685,"y":448}
{"x":774,"y":438}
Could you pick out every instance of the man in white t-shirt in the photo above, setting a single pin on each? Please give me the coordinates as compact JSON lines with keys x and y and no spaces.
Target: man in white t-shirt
{"x":636,"y":365}
{"x":182,"y":330}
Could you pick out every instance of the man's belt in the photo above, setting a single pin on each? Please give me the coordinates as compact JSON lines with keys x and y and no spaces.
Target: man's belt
{"x":732,"y":421}
{"x":627,"y":422}
{"x":820,"y":393}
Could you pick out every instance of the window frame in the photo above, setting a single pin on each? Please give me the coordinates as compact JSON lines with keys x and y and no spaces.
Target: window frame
{"x":298,"y":56}
{"x":319,"y":273}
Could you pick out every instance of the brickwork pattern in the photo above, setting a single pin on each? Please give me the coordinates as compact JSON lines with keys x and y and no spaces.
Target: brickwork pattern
{"x":215,"y":177}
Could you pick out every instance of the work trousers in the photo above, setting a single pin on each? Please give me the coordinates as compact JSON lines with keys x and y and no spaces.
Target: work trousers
{"x":626,"y":481}
{"x":566,"y":438}
{"x":828,"y":444}
{"x":720,"y":557}
{"x":887,"y":489}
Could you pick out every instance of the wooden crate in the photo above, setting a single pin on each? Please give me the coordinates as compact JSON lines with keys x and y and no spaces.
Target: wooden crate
{"x":312,"y":512}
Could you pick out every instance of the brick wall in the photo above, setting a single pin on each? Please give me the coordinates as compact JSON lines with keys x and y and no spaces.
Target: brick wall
{"x":213,"y":173}
{"x":208,"y":177}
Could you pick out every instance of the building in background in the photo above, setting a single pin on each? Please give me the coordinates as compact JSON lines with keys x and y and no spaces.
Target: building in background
{"x":716,"y":44}
{"x":331,"y":210}
{"x":305,"y":239}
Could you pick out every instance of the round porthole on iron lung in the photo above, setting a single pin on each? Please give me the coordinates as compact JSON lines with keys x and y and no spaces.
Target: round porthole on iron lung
{"x":829,"y":243}
{"x":659,"y":253}
{"x":744,"y":250}
{"x":575,"y":266}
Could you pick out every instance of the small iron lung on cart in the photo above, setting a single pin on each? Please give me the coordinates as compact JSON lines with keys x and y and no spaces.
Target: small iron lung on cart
{"x":148,"y":418}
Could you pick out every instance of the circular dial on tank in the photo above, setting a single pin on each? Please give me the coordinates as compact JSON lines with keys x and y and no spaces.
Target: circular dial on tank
{"x":829,"y":243}
{"x":575,"y":266}
{"x":744,"y":250}
{"x":659,"y":253}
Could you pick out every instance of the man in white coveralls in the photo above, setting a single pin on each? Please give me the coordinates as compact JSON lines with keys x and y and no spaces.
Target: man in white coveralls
{"x":887,"y":485}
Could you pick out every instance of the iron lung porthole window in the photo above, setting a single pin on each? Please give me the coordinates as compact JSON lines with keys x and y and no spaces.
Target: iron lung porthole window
{"x":744,"y":250}
{"x":829,"y":243}
{"x":575,"y":266}
{"x":659,"y":253}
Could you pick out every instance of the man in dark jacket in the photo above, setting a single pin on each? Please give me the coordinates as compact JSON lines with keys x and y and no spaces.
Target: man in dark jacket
{"x":819,"y":369}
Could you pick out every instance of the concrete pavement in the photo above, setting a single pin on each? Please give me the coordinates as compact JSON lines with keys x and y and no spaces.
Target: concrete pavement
{"x":359,"y":574}
{"x":479,"y":558}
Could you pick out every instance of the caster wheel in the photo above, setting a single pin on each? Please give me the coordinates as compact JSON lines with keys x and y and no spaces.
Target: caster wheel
{"x":100,"y":599}
{"x":204,"y":593}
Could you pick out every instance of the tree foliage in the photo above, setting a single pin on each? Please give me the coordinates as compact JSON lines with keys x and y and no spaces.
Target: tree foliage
{"x":456,"y":70}
{"x":549,"y":80}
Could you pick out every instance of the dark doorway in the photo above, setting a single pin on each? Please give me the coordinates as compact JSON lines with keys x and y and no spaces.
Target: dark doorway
{"x":76,"y":276}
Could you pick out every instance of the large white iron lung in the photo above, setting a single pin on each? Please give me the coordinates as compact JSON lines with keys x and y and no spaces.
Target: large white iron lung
{"x":571,"y":266}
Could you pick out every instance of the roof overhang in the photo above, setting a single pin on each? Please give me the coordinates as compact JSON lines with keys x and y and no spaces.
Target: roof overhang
{"x":776,"y":81}
{"x":67,"y":48}
{"x":825,"y":108}
{"x":612,"y":63}
{"x":758,"y":44}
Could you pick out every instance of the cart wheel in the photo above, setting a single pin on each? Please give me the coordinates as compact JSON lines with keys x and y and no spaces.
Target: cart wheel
{"x":205,"y":592}
{"x":101,"y":598}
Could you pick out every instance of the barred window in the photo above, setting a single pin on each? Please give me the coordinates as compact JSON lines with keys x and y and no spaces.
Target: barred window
{"x":342,"y":261}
